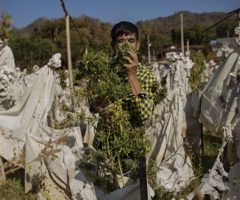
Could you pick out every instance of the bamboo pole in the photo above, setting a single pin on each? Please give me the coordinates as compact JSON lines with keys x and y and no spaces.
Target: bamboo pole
{"x":238,"y":17}
{"x":69,"y":58}
{"x":182,"y":36}
{"x":149,"y":52}
{"x":2,"y":172}
{"x":188,"y":49}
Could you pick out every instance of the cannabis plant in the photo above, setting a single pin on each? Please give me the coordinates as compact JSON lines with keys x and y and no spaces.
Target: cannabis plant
{"x":117,"y":140}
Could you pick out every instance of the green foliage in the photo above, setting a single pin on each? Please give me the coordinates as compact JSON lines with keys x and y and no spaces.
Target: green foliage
{"x":118,"y":60}
{"x":13,"y":190}
{"x":197,"y":70}
{"x":5,"y":25}
{"x":32,"y":52}
{"x":36,"y":43}
{"x":119,"y":146}
{"x":129,"y":139}
{"x":212,"y":143}
{"x":102,"y":81}
{"x":63,"y":77}
{"x":119,"y":142}
{"x":194,"y":34}
{"x":91,"y":33}
{"x":226,"y":29}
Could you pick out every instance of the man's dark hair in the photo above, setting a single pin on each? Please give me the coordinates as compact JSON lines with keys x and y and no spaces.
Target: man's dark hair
{"x":122,"y":28}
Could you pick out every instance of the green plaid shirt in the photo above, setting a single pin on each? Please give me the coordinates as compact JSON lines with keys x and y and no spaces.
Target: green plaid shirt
{"x":141,"y":107}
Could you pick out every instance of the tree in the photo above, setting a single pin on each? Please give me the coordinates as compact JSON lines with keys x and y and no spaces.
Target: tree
{"x":5,"y":25}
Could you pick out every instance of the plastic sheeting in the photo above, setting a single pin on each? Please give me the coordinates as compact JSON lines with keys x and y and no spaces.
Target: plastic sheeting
{"x":220,"y":106}
{"x":27,"y":141}
{"x":6,"y":56}
{"x":168,"y":127}
{"x":220,"y":97}
{"x":212,"y":183}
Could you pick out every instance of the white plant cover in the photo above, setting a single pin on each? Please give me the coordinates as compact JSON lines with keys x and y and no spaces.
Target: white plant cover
{"x":9,"y":93}
{"x":220,"y":106}
{"x":224,"y":52}
{"x":6,"y":56}
{"x":209,"y":71}
{"x":8,"y":96}
{"x":233,"y":183}
{"x":168,"y":126}
{"x":212,"y":183}
{"x":220,"y":97}
{"x":26,"y":140}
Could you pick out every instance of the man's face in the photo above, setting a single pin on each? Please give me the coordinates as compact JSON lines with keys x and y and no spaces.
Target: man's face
{"x":130,"y":38}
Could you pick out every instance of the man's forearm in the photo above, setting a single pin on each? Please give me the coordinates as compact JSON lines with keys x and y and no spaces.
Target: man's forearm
{"x":134,"y":84}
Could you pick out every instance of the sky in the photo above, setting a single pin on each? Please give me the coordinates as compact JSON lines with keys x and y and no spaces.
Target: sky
{"x":23,"y":12}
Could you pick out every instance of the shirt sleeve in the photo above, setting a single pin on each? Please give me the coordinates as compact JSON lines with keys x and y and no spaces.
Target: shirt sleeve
{"x":141,"y":107}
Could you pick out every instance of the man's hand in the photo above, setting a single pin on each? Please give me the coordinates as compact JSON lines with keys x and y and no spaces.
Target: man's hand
{"x":131,"y":64}
{"x":99,"y":105}
{"x":131,"y":70}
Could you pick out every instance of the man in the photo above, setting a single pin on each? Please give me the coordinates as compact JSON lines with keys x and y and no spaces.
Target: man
{"x":126,"y":139}
{"x":143,"y":84}
{"x":140,"y":102}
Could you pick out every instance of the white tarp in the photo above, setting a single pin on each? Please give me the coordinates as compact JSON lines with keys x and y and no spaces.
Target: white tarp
{"x":220,"y":106}
{"x":27,"y":141}
{"x":220,"y":97}
{"x":6,"y":56}
{"x":168,"y":126}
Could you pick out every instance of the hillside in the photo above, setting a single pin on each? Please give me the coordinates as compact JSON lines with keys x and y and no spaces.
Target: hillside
{"x":166,"y":24}
{"x":165,"y":31}
{"x":44,"y":36}
{"x":162,"y":25}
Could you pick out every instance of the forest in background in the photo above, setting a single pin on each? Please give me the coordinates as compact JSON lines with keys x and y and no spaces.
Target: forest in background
{"x":37,"y":42}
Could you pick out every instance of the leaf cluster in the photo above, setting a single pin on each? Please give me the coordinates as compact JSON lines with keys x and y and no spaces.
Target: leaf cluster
{"x":120,"y":142}
{"x":12,"y":189}
{"x":103,"y":82}
{"x":197,"y":70}
{"x":118,"y":60}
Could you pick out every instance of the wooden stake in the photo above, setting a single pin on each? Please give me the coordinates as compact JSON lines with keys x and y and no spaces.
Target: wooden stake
{"x":182,"y":36}
{"x":149,"y":52}
{"x":143,"y":178}
{"x":2,"y":172}
{"x":69,"y":58}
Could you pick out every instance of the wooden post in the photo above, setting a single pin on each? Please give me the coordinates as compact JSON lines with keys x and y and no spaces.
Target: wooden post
{"x":2,"y":172}
{"x":149,"y":53}
{"x":238,"y":17}
{"x":182,"y":36}
{"x":188,"y":50}
{"x":69,"y":58}
{"x":143,"y":178}
{"x":188,"y":46}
